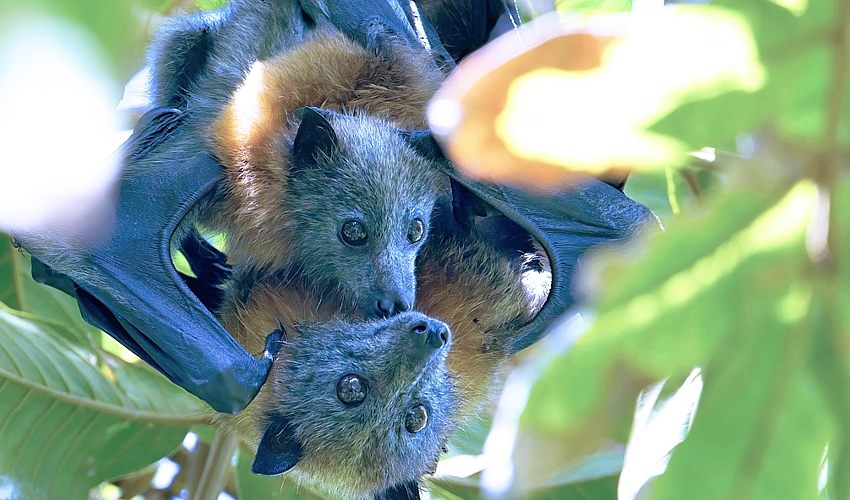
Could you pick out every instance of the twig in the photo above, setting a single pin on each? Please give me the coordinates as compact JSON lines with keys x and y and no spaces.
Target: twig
{"x":691,"y":179}
{"x":828,"y":281}
{"x":217,"y":466}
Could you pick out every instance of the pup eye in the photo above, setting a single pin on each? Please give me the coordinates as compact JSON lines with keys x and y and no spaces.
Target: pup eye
{"x":415,"y":230}
{"x":353,"y":233}
{"x":416,"y":419}
{"x":351,"y":389}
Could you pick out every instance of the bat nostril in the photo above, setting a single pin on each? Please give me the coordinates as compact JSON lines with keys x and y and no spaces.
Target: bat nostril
{"x":385,"y":307}
{"x":439,"y":336}
{"x":419,"y":328}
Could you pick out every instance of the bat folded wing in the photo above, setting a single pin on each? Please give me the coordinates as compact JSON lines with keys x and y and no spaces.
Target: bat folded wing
{"x":136,"y":295}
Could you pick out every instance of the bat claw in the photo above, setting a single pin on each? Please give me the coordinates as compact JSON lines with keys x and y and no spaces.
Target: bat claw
{"x":273,"y":342}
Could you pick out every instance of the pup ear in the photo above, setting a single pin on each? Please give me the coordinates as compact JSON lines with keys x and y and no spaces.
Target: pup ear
{"x":315,"y":136}
{"x":279,"y":450}
{"x":424,"y":143}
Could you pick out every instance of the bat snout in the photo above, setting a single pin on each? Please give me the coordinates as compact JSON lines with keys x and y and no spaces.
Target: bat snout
{"x":429,"y":334}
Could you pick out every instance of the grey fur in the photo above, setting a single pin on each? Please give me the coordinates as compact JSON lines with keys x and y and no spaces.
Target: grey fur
{"x":198,"y":61}
{"x":361,"y":450}
{"x":376,"y":177}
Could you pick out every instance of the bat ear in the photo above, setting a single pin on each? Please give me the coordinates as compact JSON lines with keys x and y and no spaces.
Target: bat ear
{"x":424,"y":143}
{"x":466,"y":204}
{"x":315,"y":137}
{"x":279,"y":450}
{"x":180,"y":54}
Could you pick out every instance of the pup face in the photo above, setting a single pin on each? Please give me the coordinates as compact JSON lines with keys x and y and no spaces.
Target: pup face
{"x":361,"y":196}
{"x":360,"y":408}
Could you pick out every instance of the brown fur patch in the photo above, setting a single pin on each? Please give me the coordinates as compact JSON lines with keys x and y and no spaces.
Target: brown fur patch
{"x":480,"y":295}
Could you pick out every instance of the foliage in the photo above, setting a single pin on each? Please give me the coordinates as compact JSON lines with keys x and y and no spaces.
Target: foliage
{"x":748,"y":283}
{"x":750,"y":280}
{"x":71,"y":415}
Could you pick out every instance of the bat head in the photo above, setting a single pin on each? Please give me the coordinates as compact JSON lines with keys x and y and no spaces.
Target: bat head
{"x":360,"y":408}
{"x":361,"y":193}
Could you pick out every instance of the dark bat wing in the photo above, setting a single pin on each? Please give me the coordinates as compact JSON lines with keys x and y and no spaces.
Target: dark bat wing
{"x":567,"y":222}
{"x":128,"y":286}
{"x":357,"y":19}
{"x":210,"y":268}
{"x":465,"y":25}
{"x":137,"y":296}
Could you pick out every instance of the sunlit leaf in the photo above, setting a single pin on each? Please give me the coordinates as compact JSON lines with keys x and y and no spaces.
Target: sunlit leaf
{"x":118,"y":30}
{"x":702,"y":243}
{"x":590,"y":477}
{"x":211,"y":4}
{"x":680,"y":321}
{"x":796,"y":7}
{"x":581,"y":102}
{"x":795,"y":52}
{"x":771,"y":444}
{"x":737,"y":284}
{"x":662,"y":419}
{"x":593,"y":6}
{"x":157,"y":5}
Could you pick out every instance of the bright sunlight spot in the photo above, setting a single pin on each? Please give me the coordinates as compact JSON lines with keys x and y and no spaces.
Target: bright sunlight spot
{"x":58,"y":129}
{"x":596,"y":119}
{"x":165,"y":474}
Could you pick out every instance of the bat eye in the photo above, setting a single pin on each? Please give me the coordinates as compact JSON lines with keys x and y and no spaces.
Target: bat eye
{"x":351,"y":389}
{"x":415,"y":230}
{"x":354,"y":233}
{"x":417,"y":419}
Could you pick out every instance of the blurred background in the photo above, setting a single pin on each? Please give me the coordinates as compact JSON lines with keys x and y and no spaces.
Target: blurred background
{"x":709,"y":360}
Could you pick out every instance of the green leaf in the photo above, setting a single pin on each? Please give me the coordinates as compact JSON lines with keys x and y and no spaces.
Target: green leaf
{"x":796,"y":53}
{"x":729,"y":283}
{"x":118,"y":30}
{"x":161,"y":6}
{"x":253,"y":487}
{"x":211,"y":4}
{"x":761,"y":427}
{"x":677,"y":321}
{"x":841,"y":209}
{"x":469,"y":439}
{"x":829,"y":361}
{"x":66,"y":426}
{"x":650,"y":188}
{"x":594,"y":6}
{"x":596,"y":489}
{"x":686,"y":241}
{"x":591,"y":477}
{"x":46,"y":305}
